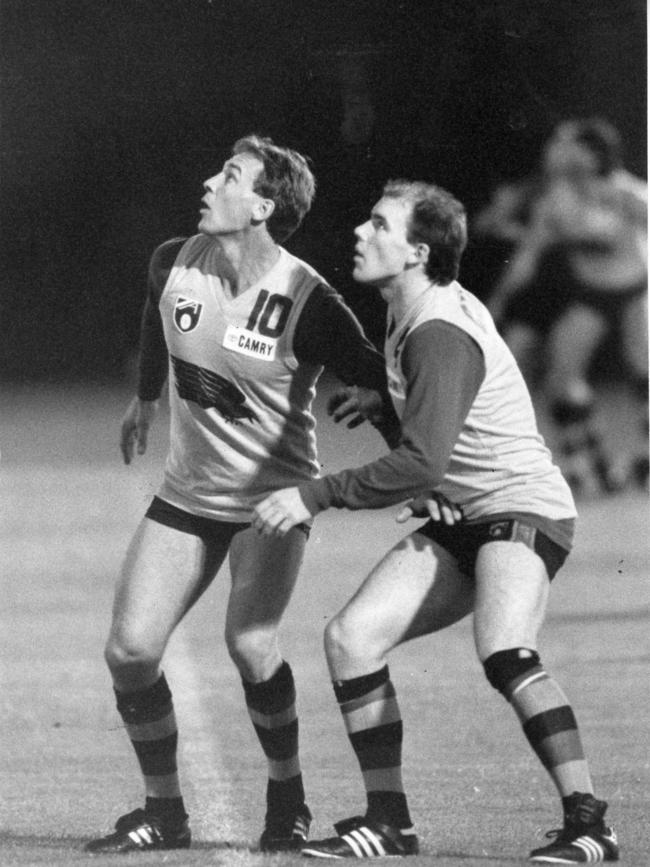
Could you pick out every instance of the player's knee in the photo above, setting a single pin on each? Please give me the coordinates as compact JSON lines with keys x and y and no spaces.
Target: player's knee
{"x":507,"y":667}
{"x":252,"y":652}
{"x":332,"y":639}
{"x":126,"y":658}
{"x":345,"y":642}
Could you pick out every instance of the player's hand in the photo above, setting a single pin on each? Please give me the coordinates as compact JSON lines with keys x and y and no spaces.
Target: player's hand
{"x":362,"y":404}
{"x":135,"y":427}
{"x":434,"y":506}
{"x":279,"y":512}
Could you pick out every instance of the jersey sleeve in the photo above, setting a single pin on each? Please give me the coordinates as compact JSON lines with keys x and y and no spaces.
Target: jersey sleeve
{"x":329,"y":334}
{"x":153,"y":361}
{"x":444,"y":368}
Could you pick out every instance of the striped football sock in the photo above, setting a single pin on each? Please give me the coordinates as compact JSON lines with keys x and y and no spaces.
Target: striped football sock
{"x":272,"y":709}
{"x":373,"y":722}
{"x":150,"y":722}
{"x":551,"y":728}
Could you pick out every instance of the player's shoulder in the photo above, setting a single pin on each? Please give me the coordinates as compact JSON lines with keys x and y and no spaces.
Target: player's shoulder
{"x":308,"y":279}
{"x":298,"y":266}
{"x":165,"y":254}
{"x":162,"y":261}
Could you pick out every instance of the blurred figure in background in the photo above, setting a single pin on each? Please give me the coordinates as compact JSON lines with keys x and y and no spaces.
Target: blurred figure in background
{"x":576,"y":273}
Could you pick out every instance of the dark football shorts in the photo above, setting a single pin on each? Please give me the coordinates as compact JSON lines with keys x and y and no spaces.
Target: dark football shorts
{"x":207,"y":529}
{"x":463,"y":541}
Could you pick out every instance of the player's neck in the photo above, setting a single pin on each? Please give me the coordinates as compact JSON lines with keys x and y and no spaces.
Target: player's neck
{"x":405,"y":290}
{"x":245,"y":259}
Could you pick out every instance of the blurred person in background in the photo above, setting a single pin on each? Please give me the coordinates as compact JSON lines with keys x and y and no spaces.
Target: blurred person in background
{"x":575,"y":244}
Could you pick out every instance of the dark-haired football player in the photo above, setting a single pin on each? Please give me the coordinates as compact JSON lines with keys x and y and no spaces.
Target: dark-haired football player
{"x":243,"y":329}
{"x":468,"y":433}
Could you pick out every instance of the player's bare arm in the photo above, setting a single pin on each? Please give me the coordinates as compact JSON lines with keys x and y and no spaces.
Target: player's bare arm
{"x":152,"y":373}
{"x":135,"y":427}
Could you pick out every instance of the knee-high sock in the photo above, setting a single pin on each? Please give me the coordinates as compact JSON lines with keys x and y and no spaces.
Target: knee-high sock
{"x":373,"y":722}
{"x":150,"y":722}
{"x":551,"y":728}
{"x":272,"y":709}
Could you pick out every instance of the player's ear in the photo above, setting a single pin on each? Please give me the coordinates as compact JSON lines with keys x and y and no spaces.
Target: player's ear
{"x":420,"y":253}
{"x":262,"y":209}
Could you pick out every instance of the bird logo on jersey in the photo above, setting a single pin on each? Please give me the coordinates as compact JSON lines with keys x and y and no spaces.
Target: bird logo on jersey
{"x":210,"y":391}
{"x":187,"y":314}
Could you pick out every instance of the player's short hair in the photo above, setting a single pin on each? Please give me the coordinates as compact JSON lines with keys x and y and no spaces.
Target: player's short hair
{"x":604,"y":142}
{"x":438,"y":220}
{"x":286,"y":179}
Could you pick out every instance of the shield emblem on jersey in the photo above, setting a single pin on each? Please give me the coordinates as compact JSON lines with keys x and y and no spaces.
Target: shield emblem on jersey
{"x":187,"y":314}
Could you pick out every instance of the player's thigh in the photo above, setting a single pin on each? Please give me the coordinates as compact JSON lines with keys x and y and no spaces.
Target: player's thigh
{"x":264,"y":571}
{"x":512,"y":589}
{"x":634,"y":334}
{"x":416,"y":589}
{"x":571,"y":343}
{"x":160,"y":577}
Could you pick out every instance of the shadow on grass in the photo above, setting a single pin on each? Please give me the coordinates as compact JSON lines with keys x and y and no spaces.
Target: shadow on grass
{"x":35,"y":841}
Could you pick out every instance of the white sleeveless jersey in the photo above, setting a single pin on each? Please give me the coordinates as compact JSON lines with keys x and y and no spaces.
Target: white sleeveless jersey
{"x":241,"y":420}
{"x":500,"y":462}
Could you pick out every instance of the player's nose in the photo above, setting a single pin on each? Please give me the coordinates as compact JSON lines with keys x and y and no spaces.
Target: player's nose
{"x":210,"y":184}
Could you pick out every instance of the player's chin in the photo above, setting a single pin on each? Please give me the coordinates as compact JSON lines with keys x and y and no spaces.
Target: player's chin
{"x":359,"y":272}
{"x":206,"y":226}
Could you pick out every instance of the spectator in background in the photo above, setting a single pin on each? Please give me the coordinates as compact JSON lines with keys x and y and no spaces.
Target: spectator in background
{"x":576,"y":273}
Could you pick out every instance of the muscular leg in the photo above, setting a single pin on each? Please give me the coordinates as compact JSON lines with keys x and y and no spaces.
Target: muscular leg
{"x":163,"y":573}
{"x":524,"y":342}
{"x":572,"y":343}
{"x":264,"y":572}
{"x":634,"y":335}
{"x":634,"y":338}
{"x":416,"y":589}
{"x":512,"y":589}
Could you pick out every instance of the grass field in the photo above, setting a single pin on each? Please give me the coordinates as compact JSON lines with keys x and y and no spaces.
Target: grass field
{"x":67,"y":509}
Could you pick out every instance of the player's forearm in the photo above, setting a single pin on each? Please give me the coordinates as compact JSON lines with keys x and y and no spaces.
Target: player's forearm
{"x":403,"y":473}
{"x":445,"y":368}
{"x":389,"y":428}
{"x":153,"y":357}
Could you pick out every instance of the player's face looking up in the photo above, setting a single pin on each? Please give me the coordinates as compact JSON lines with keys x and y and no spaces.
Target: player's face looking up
{"x":231,"y":204}
{"x":383,"y":251}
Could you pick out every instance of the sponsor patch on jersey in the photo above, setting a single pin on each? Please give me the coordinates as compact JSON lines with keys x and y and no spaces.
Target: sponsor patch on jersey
{"x":249,"y":343}
{"x":187,"y":314}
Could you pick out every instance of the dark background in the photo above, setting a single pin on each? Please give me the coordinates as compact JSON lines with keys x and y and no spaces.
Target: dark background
{"x":115,"y":111}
